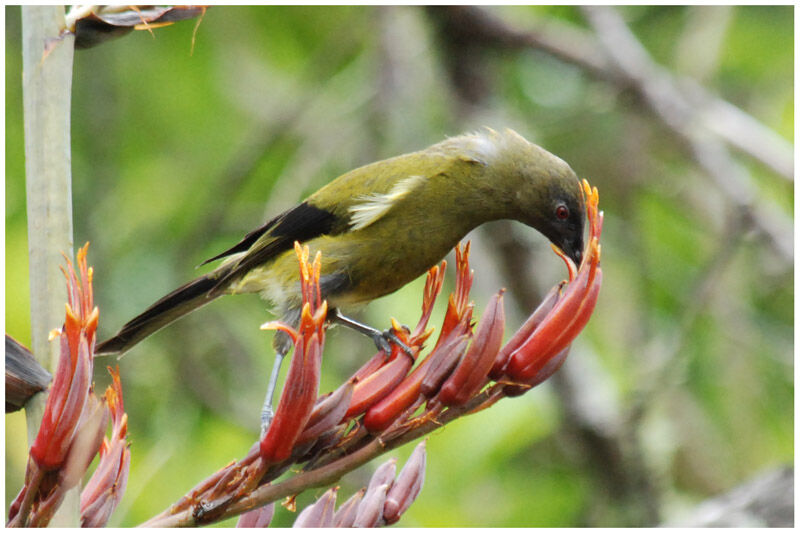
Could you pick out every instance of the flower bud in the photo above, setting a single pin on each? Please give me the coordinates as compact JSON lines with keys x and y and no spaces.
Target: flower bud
{"x":260,"y":517}
{"x":377,"y":385}
{"x":346,"y":515}
{"x":381,"y":415}
{"x":407,"y":486}
{"x":328,"y":412}
{"x":560,"y":327}
{"x":384,"y":475}
{"x":442,"y":362}
{"x":525,"y":331}
{"x":320,"y":513}
{"x":105,"y":488}
{"x":470,"y":375}
{"x":549,"y":368}
{"x":370,"y":510}
{"x":65,"y":405}
{"x":87,"y":442}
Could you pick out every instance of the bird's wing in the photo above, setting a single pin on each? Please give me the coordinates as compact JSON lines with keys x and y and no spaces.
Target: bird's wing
{"x":369,"y":208}
{"x":337,"y":208}
{"x":300,"y":223}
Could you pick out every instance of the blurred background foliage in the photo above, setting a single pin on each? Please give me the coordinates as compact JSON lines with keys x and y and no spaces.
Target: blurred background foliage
{"x":681,"y":386}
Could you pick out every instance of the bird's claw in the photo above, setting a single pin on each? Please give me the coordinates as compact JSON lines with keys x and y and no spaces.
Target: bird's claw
{"x":385,"y":339}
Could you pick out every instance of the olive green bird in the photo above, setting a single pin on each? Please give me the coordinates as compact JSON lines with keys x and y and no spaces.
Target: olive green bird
{"x":381,"y":226}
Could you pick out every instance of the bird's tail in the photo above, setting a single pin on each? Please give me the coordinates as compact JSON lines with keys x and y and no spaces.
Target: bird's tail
{"x":171,"y":307}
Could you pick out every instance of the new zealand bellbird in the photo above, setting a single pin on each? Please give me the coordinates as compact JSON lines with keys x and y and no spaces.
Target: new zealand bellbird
{"x":382,"y":225}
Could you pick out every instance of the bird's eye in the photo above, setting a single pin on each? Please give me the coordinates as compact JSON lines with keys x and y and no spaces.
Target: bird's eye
{"x":562,"y":212}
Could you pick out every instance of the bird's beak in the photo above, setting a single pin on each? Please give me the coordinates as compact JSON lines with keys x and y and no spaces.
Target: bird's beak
{"x":577,"y":255}
{"x":574,"y":250}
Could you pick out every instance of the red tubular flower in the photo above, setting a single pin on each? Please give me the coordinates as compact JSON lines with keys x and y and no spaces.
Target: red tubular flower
{"x":302,"y":382}
{"x":457,"y":319}
{"x":87,"y":442}
{"x":74,"y":422}
{"x":470,"y":375}
{"x":444,"y":358}
{"x":375,"y":386}
{"x":433,"y":286}
{"x":550,"y":367}
{"x":380,"y":375}
{"x":525,"y":331}
{"x":104,"y":490}
{"x":73,"y":375}
{"x":458,"y":307}
{"x":329,"y":411}
{"x":572,"y":311}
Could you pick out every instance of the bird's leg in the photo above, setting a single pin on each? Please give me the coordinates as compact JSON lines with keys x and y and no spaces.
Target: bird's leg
{"x":266,"y":410}
{"x":382,"y":339}
{"x":281,"y":343}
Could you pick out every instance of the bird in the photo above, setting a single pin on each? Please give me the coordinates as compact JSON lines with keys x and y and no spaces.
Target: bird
{"x":380,"y":226}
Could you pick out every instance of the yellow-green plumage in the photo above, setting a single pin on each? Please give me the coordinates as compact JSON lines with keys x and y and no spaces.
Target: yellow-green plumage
{"x":382,"y":225}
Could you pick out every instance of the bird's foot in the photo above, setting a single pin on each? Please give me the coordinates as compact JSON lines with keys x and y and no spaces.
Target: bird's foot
{"x":384,"y":340}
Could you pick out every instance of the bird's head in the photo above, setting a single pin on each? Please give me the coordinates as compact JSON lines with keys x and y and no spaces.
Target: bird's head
{"x":557,"y":211}
{"x":545,"y":193}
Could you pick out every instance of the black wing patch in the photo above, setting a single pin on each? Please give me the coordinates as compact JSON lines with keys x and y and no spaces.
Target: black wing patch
{"x":300,"y":223}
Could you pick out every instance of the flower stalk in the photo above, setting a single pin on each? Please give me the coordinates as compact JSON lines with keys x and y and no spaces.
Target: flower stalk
{"x":75,"y":420}
{"x":397,"y":399}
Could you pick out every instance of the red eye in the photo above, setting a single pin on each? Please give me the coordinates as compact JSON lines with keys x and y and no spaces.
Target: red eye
{"x":562,"y":212}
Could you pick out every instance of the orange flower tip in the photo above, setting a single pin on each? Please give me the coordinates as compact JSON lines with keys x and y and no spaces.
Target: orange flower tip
{"x":94,"y":317}
{"x":280,"y":326}
{"x":419,"y":339}
{"x":321,"y":313}
{"x":305,"y":314}
{"x":397,"y":326}
{"x":53,"y":334}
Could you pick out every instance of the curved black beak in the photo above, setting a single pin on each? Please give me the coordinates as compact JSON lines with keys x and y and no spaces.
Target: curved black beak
{"x":576,"y":256}
{"x":574,"y":250}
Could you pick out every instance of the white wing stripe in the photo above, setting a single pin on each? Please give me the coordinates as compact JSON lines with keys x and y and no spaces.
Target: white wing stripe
{"x":371,"y":207}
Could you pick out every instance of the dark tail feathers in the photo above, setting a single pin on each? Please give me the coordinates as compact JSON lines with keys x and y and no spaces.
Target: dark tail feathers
{"x":171,"y":307}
